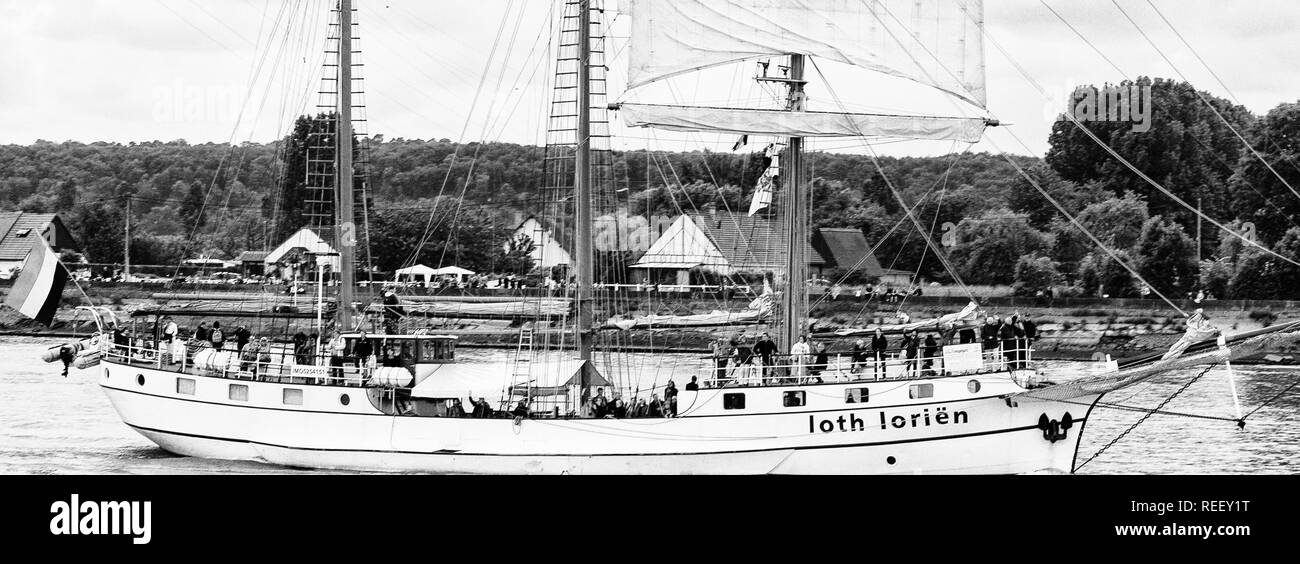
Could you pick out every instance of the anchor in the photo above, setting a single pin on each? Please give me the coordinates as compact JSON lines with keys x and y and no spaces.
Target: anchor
{"x":1054,"y":430}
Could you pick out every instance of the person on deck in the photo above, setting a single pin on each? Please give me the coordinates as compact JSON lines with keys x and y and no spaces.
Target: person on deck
{"x":911,"y":344}
{"x":930,"y":352}
{"x":693,"y":385}
{"x":171,"y":333}
{"x":201,"y":333}
{"x":821,"y":360}
{"x":949,"y":333}
{"x":217,"y":337}
{"x":521,"y":410}
{"x":766,"y":350}
{"x":599,"y":405}
{"x":799,"y":358}
{"x":989,"y":335}
{"x":744,"y":361}
{"x":1007,"y":336}
{"x":242,"y":337}
{"x":670,"y":391}
{"x":721,"y":353}
{"x":655,"y":408}
{"x":879,"y":348}
{"x":859,"y":356}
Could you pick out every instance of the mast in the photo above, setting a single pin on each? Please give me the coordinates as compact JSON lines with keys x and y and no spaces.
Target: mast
{"x":345,"y":233}
{"x":582,"y":185}
{"x":793,"y":302}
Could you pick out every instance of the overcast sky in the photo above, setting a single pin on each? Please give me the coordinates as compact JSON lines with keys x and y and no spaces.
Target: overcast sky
{"x":208,"y":70}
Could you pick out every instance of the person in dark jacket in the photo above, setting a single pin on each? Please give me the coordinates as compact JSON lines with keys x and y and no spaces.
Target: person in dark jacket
{"x":911,"y":344}
{"x":930,"y":352}
{"x":766,"y":350}
{"x":859,"y":356}
{"x":821,"y":359}
{"x":655,"y":408}
{"x":967,"y":335}
{"x":217,"y":336}
{"x":693,"y":385}
{"x":242,"y":337}
{"x":989,"y":334}
{"x":201,"y":333}
{"x":879,"y":348}
{"x":1007,"y":335}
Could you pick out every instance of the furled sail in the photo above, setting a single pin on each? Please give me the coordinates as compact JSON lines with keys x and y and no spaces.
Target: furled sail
{"x":781,"y":123}
{"x":759,"y":310}
{"x":963,"y":317}
{"x":938,"y":43}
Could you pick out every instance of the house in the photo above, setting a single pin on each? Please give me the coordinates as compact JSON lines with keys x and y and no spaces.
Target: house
{"x":722,"y":243}
{"x":293,"y":258}
{"x":847,"y":249}
{"x":549,"y":242}
{"x":18,"y":230}
{"x":252,"y":263}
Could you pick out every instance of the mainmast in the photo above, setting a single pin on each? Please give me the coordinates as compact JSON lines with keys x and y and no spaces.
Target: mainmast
{"x":583,"y":256}
{"x":794,"y":302}
{"x":345,"y":231}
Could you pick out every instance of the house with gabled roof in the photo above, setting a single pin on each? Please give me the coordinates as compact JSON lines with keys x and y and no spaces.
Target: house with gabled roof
{"x":18,"y":230}
{"x":550,"y":242}
{"x":848,"y":249}
{"x":721,"y":243}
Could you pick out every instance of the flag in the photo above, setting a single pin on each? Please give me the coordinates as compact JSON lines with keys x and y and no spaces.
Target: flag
{"x":740,"y":144}
{"x":762,"y":196}
{"x":37,"y":292}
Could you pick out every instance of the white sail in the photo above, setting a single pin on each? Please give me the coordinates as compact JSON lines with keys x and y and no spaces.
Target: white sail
{"x":780,"y":123}
{"x":938,"y":43}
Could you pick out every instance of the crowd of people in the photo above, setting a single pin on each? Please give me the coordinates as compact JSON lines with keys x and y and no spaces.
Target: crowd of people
{"x":757,"y":360}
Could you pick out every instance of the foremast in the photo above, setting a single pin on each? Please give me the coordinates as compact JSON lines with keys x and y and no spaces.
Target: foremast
{"x":794,"y":298}
{"x":583,"y":256}
{"x":345,"y":237}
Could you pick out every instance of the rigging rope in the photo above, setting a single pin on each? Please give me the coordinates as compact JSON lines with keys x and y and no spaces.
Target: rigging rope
{"x":1144,"y":418}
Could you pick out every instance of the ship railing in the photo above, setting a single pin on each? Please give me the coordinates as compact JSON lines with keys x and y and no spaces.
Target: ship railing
{"x":277,"y":366}
{"x":841,"y":367}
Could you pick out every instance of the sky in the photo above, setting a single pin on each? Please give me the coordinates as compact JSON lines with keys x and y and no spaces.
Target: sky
{"x":240,"y":70}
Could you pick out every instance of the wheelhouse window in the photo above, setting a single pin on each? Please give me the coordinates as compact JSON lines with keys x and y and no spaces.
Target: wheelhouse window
{"x":292,"y":396}
{"x":185,"y":386}
{"x":920,"y":391}
{"x":733,"y":401}
{"x":437,"y":351}
{"x":238,"y":392}
{"x":857,"y":395}
{"x":794,"y":399}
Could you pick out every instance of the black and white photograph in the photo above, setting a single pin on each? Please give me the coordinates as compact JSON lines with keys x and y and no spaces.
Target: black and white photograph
{"x":869,"y":245}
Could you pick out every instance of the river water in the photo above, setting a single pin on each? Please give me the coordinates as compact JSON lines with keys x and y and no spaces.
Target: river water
{"x":55,"y":425}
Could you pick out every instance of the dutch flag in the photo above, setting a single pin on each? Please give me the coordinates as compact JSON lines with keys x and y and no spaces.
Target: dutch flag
{"x":37,"y":292}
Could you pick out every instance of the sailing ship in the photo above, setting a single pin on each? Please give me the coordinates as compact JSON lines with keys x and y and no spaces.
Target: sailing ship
{"x":392,"y":400}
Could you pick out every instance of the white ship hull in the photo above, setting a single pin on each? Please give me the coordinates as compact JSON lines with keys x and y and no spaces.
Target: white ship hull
{"x":980,"y":432}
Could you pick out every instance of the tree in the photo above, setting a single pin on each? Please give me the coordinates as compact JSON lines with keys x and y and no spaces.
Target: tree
{"x":1257,"y":195}
{"x":1167,"y":257}
{"x":1034,"y":274}
{"x":1187,"y":149}
{"x":992,"y":244}
{"x":1117,"y":222}
{"x":516,"y":257}
{"x":100,"y":228}
{"x":193,"y":213}
{"x":1262,"y":276}
{"x":1100,"y":275}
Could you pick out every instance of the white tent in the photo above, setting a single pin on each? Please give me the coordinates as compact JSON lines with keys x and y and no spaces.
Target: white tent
{"x":416,"y":271}
{"x":458,"y":272}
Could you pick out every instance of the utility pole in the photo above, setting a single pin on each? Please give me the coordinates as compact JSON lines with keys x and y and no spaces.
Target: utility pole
{"x":126,"y":267}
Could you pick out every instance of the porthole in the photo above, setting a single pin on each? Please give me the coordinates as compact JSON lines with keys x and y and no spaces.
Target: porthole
{"x":891,"y":460}
{"x":344,"y":399}
{"x":973,"y":386}
{"x":107,"y":374}
{"x":139,"y":379}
